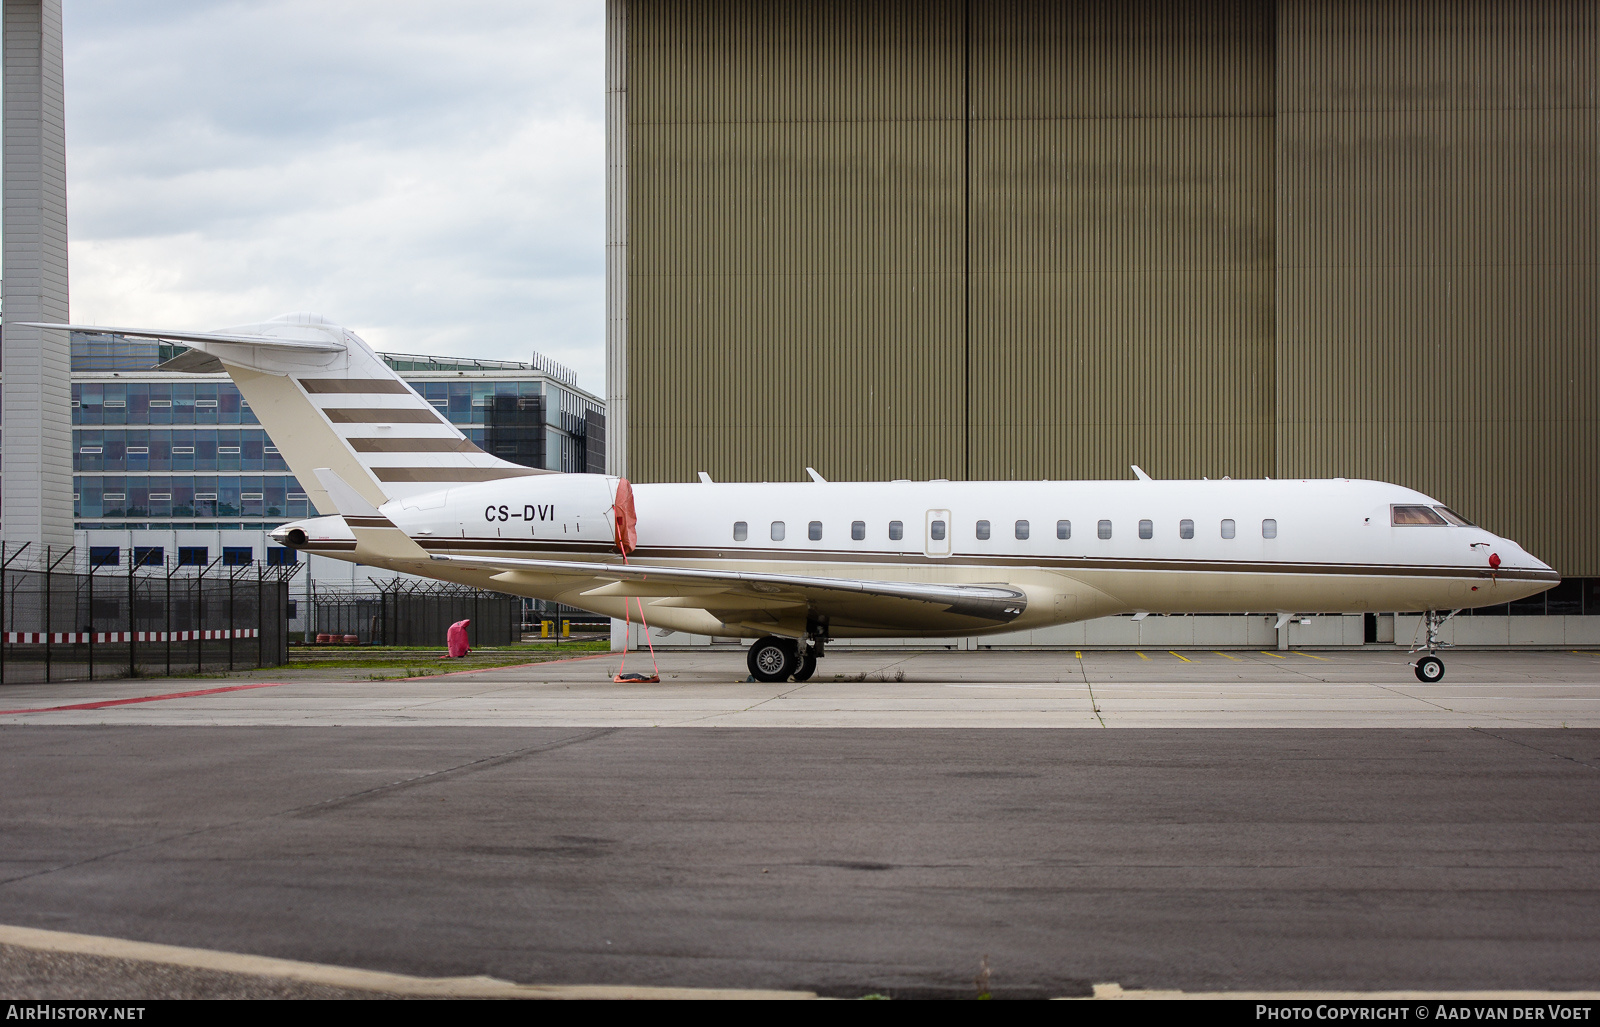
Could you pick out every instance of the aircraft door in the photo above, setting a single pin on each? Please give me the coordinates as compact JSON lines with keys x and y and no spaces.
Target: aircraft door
{"x":936,"y":533}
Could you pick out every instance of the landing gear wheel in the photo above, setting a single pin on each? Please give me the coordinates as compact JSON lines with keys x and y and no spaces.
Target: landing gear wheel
{"x":1430,"y":669}
{"x":772,"y":659}
{"x":808,"y":667}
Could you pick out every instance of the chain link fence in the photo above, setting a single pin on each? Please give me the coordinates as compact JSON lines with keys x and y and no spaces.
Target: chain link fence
{"x":64,"y":618}
{"x":411,"y":612}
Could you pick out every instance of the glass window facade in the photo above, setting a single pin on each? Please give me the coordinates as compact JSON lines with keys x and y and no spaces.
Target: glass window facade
{"x":163,"y":449}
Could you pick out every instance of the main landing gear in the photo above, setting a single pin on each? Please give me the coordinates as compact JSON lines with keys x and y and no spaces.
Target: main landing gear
{"x":774,"y":659}
{"x":1430,"y":668}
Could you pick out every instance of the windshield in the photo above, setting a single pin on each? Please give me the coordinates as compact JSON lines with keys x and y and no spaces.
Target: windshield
{"x":1454,"y":518}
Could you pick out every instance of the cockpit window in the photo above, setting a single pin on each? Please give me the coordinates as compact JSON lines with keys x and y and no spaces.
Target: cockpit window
{"x":1403,"y":515}
{"x":1454,"y":518}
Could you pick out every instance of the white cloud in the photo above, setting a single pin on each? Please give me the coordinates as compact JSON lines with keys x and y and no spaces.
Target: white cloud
{"x":431,"y":175}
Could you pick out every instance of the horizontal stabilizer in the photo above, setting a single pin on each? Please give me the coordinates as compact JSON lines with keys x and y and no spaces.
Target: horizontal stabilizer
{"x":275,"y":342}
{"x":192,"y":361}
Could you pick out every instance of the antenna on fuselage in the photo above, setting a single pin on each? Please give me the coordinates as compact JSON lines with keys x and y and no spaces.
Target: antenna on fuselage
{"x":1139,"y":473}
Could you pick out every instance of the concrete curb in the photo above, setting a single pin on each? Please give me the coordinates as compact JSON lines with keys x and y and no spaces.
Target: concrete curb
{"x":344,"y":977}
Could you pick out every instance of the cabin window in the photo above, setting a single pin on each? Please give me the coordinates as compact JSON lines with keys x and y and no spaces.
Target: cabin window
{"x":741,"y":531}
{"x":1403,"y":515}
{"x":1063,"y":529}
{"x":1186,"y":528}
{"x":897,"y":531}
{"x":858,"y":530}
{"x":983,"y":531}
{"x":1227,"y":528}
{"x":1147,"y":529}
{"x":1105,"y":529}
{"x":777,"y":531}
{"x":1269,"y":528}
{"x":1449,"y":515}
{"x":936,"y":531}
{"x":814,"y":531}
{"x":1020,"y":529}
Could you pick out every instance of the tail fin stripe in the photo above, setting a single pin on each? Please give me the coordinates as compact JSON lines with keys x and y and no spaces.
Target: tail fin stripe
{"x":442,"y":475}
{"x":375,"y":415}
{"x":435,"y":445}
{"x":364,"y":386}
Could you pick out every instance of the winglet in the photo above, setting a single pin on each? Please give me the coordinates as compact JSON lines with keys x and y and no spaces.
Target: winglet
{"x":1139,"y":473}
{"x":346,"y":500}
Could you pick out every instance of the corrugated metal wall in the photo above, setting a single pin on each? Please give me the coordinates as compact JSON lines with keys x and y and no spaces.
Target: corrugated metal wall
{"x":1121,"y":214}
{"x":795,"y":240}
{"x":1008,"y":239}
{"x":1437,"y":282}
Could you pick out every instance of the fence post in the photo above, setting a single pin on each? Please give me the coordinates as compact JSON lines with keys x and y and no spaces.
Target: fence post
{"x":133,"y":624}
{"x":49,"y":577}
{"x":91,"y":615}
{"x":5,"y":561}
{"x":166,"y":620}
{"x":261,"y":617}
{"x":233,"y":576}
{"x":3,"y":624}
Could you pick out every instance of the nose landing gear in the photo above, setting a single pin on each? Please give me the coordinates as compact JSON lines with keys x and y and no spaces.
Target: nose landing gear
{"x":1430,"y":668}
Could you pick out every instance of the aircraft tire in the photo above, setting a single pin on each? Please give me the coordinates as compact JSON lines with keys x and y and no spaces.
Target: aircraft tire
{"x":1430,"y":669}
{"x":771,"y":659}
{"x":808,"y":667}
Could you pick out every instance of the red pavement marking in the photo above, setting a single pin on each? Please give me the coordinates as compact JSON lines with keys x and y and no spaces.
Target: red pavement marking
{"x":509,"y":666}
{"x":146,"y":698}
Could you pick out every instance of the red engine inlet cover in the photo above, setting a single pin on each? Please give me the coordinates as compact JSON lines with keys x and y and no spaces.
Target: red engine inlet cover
{"x":626,"y":521}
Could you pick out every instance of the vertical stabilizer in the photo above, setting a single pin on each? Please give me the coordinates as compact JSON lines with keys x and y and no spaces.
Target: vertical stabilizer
{"x":329,"y":401}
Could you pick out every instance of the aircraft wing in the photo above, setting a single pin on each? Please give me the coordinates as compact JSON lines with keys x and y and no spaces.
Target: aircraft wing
{"x":747,"y":596}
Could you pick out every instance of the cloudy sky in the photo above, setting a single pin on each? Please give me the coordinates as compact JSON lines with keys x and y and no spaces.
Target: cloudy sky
{"x":429,"y":174}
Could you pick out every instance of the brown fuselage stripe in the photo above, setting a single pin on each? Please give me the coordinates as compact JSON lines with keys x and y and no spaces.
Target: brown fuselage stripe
{"x":354,"y":386}
{"x":532,"y":549}
{"x":382,"y":415}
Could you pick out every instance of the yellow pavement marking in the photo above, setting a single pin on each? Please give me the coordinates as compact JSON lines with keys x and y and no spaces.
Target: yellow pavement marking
{"x":1185,"y":659}
{"x":1225,"y":656}
{"x":345,"y":977}
{"x":1308,"y":656}
{"x":1078,"y":653}
{"x":1142,"y":656}
{"x":1275,"y":656}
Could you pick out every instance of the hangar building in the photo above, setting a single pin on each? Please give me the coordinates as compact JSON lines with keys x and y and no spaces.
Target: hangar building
{"x":989,"y":239}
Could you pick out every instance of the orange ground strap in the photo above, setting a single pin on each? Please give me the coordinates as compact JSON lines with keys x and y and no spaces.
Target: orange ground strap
{"x":636,"y":679}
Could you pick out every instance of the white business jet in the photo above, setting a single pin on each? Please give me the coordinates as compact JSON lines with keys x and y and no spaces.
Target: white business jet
{"x":793,"y":565}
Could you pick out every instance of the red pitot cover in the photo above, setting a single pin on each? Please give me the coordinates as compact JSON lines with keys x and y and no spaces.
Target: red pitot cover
{"x":627,"y":522}
{"x":456,"y":638}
